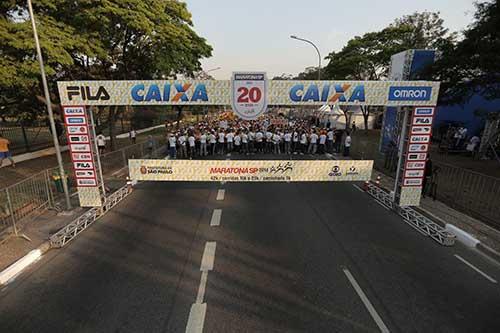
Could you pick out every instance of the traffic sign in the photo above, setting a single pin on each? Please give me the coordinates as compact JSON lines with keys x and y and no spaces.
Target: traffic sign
{"x":249,"y":94}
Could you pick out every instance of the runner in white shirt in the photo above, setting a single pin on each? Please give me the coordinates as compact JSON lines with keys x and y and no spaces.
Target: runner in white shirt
{"x":182,"y":146}
{"x":269,"y":142}
{"x":244,"y":143}
{"x":313,"y":143}
{"x":237,"y":143}
{"x":221,"y":141}
{"x":192,"y":149}
{"x":303,"y":143}
{"x":276,"y":143}
{"x":329,"y":142}
{"x":295,"y":142}
{"x":203,"y":144}
{"x":259,"y":142}
{"x":288,"y":142}
{"x":251,"y":140}
{"x":101,"y":143}
{"x":229,"y":139}
{"x":172,"y":141}
{"x":322,"y":143}
{"x":213,"y":142}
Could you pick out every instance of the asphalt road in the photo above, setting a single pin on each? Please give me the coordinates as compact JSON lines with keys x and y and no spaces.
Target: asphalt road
{"x":287,"y":257}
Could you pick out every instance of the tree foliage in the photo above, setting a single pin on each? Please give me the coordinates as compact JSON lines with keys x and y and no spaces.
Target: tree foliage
{"x":368,"y":57}
{"x":94,"y":39}
{"x":472,"y":66}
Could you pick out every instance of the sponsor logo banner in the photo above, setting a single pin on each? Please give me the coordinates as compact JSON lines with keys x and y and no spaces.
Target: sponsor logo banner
{"x":80,"y":148}
{"x":414,"y":173}
{"x":74,"y":111}
{"x":77,"y":129}
{"x":420,"y":139}
{"x":249,"y":94}
{"x":85,"y":182}
{"x":249,"y":171}
{"x":80,"y":120}
{"x":84,"y":173}
{"x":81,"y":157}
{"x":78,"y":138}
{"x":418,"y":148}
{"x":423,"y":112}
{"x":419,"y":93}
{"x":219,"y":92}
{"x":415,"y":165}
{"x":421,"y":130}
{"x":422,"y":120}
{"x":87,"y":165}
{"x":413,"y":182}
{"x":417,"y":156}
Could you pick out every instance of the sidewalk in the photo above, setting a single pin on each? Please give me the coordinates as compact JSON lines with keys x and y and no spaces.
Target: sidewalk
{"x":445,"y":214}
{"x":9,"y":175}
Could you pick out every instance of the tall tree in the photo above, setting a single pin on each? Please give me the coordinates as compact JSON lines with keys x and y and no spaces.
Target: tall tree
{"x":98,"y":39}
{"x":368,"y":57}
{"x":472,"y":66}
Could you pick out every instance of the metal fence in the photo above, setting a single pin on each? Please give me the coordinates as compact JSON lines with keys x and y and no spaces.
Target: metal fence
{"x":40,"y":191}
{"x":469,"y":192}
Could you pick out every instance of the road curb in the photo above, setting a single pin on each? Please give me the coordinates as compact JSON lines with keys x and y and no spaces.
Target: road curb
{"x":20,"y":265}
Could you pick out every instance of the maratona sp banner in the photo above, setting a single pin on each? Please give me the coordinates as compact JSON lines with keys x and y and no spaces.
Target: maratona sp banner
{"x":250,"y":171}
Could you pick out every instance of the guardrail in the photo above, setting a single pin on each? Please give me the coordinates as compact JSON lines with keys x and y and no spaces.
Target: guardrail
{"x":419,"y":222}
{"x":39,"y":192}
{"x":69,"y":232}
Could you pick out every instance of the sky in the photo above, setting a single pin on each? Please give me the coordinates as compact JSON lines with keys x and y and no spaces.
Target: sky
{"x":254,"y":35}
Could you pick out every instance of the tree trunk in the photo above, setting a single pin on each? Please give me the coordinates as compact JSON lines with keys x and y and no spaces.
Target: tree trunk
{"x":179,"y":115}
{"x":366,"y":114}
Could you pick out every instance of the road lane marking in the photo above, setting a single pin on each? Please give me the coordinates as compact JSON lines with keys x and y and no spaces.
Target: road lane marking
{"x":216,"y":217}
{"x":366,"y":301}
{"x":196,"y":318}
{"x":220,"y":194}
{"x":202,"y":287}
{"x":359,"y":188}
{"x":476,"y":269}
{"x":198,"y":310}
{"x":207,"y":262}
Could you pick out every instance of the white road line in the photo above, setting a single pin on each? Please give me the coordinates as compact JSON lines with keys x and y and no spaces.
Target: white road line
{"x":366,"y":301}
{"x":216,"y":217}
{"x":381,"y":204}
{"x":202,"y":287}
{"x":220,"y":194}
{"x":207,"y":262}
{"x":358,"y":188}
{"x":476,"y":269}
{"x":196,"y":318}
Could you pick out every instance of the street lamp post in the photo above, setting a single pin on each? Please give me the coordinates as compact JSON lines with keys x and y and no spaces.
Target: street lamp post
{"x":49,"y":108}
{"x":317,"y":50}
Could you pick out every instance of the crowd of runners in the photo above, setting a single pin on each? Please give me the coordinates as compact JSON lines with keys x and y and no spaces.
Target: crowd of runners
{"x":268,"y":135}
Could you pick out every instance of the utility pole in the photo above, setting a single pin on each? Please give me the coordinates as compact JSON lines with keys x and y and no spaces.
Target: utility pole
{"x":49,"y":109}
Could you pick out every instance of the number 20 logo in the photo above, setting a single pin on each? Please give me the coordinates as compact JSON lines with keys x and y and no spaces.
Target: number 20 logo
{"x":252,"y":95}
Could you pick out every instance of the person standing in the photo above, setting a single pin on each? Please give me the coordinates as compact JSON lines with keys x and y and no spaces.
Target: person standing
{"x":329,"y":142}
{"x":427,"y":174}
{"x":182,"y":145}
{"x":313,"y":143}
{"x":251,"y":141}
{"x":101,"y":143}
{"x":244,"y":143}
{"x":303,"y":143}
{"x":295,"y":140}
{"x":192,"y":146}
{"x":322,"y":142}
{"x":172,"y":151}
{"x":259,"y":136}
{"x":288,"y":142}
{"x":237,"y":142}
{"x":5,"y":152}
{"x":133,"y":135}
{"x":213,"y":142}
{"x":276,"y":143}
{"x":338,"y":140}
{"x":230,"y":140}
{"x":203,"y":144}
{"x":347,"y":144}
{"x":221,"y":141}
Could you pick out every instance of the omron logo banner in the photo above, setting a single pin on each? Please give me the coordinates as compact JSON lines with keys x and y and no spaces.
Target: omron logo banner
{"x":410,"y":93}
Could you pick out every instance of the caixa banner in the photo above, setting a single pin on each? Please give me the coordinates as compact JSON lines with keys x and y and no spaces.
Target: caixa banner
{"x":250,"y":171}
{"x":221,"y":92}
